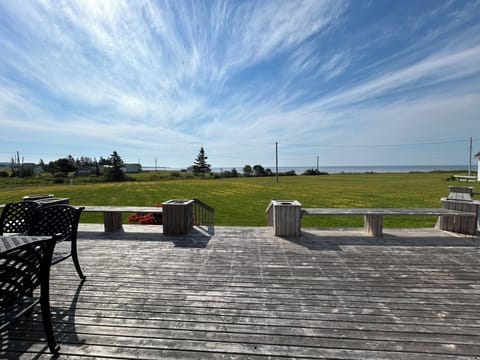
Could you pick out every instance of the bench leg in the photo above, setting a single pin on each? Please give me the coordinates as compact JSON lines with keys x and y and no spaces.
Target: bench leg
{"x":112,"y":221}
{"x":373,"y":224}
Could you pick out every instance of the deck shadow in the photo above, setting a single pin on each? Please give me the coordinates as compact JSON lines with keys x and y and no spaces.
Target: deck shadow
{"x":30,"y":330}
{"x":64,"y":320}
{"x":197,"y":238}
{"x":334,"y":240}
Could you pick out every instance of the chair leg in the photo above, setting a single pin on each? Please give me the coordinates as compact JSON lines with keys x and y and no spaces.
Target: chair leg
{"x":75,"y":260}
{"x":46,"y":316}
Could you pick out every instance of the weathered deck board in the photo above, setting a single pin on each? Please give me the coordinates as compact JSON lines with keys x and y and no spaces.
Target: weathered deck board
{"x":245,"y":293}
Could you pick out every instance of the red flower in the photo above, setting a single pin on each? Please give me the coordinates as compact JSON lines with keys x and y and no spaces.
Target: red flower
{"x":146,"y":218}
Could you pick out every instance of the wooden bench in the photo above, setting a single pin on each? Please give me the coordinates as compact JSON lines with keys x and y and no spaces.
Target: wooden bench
{"x":465,"y":178}
{"x":112,"y":215}
{"x":373,"y":218}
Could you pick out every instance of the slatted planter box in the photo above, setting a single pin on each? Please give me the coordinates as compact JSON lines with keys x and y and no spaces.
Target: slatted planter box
{"x":177,"y":216}
{"x":285,"y":216}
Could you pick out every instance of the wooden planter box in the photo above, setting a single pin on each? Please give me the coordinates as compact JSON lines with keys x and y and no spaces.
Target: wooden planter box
{"x":177,"y":216}
{"x":460,"y":224}
{"x":285,"y":217}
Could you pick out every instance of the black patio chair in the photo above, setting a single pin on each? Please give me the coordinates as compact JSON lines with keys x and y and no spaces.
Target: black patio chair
{"x":59,"y":219}
{"x":16,"y":217}
{"x":22,"y":269}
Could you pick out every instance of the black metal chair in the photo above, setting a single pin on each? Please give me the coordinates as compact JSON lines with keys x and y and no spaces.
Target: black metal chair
{"x":22,"y":270}
{"x":59,"y":219}
{"x":16,"y":217}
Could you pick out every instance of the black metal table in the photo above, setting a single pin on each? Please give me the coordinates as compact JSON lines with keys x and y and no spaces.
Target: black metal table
{"x":51,"y":201}
{"x":12,"y":243}
{"x":25,"y":265}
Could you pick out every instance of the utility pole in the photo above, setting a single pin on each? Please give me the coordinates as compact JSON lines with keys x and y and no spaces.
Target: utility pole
{"x":470,"y":159}
{"x":276,"y":158}
{"x":317,"y":162}
{"x":155,"y":164}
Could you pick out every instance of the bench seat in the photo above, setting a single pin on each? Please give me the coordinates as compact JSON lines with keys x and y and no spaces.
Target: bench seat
{"x":373,"y":218}
{"x":112,"y":215}
{"x":384,"y":211}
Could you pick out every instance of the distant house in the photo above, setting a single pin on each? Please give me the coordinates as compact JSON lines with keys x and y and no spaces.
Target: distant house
{"x":28,"y":169}
{"x":34,"y":169}
{"x":132,"y":168}
{"x":85,"y":171}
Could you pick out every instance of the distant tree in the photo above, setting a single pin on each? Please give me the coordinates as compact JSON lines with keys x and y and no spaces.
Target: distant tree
{"x":97,"y":168}
{"x":50,"y":167}
{"x":226,"y":174}
{"x":17,"y":168}
{"x":65,"y":165}
{"x":103,"y":161}
{"x":115,"y":171}
{"x":268,"y":172}
{"x":258,"y":170}
{"x":200,"y":165}
{"x":247,"y":170}
{"x":234,"y":172}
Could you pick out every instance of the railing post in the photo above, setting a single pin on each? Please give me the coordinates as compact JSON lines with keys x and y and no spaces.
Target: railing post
{"x":203,"y":214}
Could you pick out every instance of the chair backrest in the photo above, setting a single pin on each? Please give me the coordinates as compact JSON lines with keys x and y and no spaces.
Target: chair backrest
{"x":22,"y":269}
{"x":56,"y":219}
{"x":17,"y":216}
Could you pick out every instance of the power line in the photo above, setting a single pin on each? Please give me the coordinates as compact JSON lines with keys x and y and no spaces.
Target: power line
{"x":383,"y":145}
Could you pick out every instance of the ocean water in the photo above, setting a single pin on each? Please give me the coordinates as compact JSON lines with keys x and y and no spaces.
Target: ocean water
{"x":348,"y":169}
{"x":363,"y":169}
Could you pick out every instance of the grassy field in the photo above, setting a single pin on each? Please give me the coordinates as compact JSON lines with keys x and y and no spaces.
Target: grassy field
{"x":242,"y":201}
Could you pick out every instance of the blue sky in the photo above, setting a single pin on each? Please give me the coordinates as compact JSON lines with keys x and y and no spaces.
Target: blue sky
{"x":352,"y":82}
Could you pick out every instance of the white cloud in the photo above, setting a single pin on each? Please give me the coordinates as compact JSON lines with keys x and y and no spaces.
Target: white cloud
{"x":174,"y":75}
{"x":437,"y":68}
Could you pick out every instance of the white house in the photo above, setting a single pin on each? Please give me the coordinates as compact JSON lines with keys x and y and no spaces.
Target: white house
{"x":34,"y":168}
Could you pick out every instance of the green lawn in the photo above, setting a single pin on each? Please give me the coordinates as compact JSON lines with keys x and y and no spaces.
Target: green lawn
{"x":242,"y":201}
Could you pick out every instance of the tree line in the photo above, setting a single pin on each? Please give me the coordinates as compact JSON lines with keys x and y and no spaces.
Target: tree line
{"x":112,"y":168}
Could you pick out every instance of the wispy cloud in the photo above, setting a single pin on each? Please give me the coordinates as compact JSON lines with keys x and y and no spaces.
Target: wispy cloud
{"x":438,"y":68}
{"x":150,"y":76}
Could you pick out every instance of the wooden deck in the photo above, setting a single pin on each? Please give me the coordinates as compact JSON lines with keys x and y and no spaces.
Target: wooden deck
{"x":243,"y":293}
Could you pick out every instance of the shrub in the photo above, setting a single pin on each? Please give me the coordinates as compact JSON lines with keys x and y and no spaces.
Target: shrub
{"x":225,"y":174}
{"x":314,"y":172}
{"x":3,"y":174}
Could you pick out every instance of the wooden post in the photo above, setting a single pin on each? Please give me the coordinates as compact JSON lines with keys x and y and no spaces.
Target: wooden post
{"x":112,"y":221}
{"x":373,"y":224}
{"x":177,"y":216}
{"x":269,"y":212}
{"x":287,"y":215}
